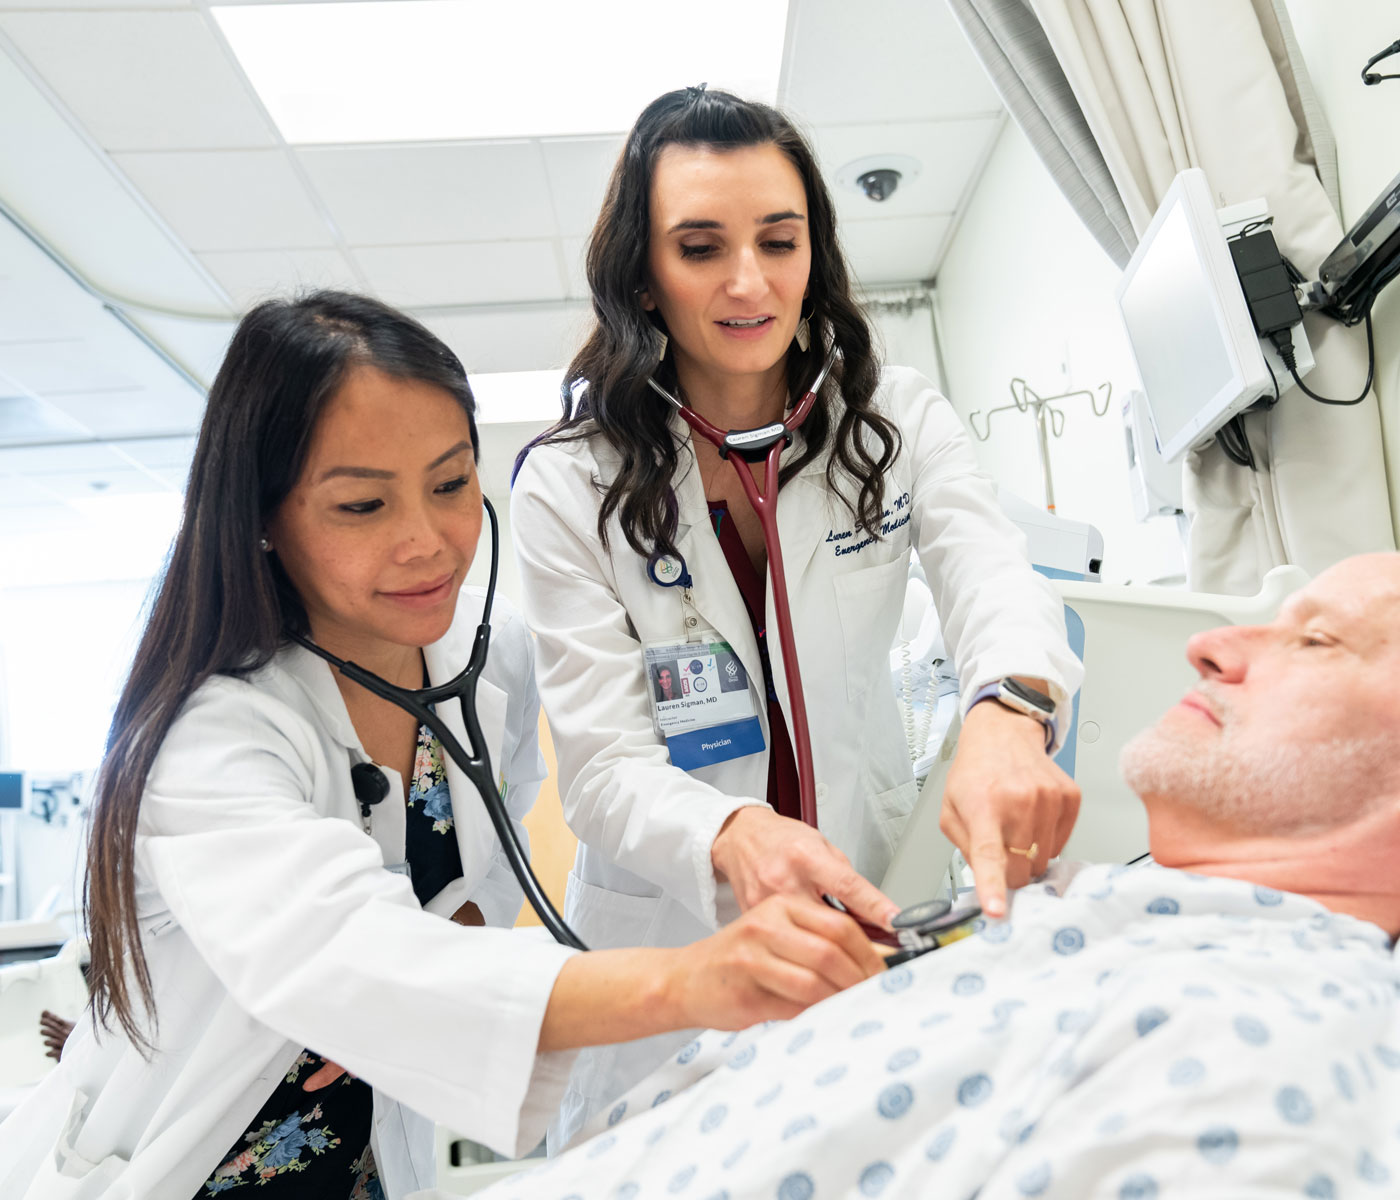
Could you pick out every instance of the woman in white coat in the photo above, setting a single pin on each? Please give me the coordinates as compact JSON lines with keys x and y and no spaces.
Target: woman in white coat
{"x":715,"y":267}
{"x":249,"y":946}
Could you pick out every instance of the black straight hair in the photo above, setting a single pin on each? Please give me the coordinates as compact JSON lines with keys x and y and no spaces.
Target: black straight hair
{"x":620,"y":352}
{"x":223,"y":605}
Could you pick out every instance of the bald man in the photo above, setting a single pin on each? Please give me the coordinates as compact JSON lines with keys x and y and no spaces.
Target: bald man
{"x":1222,"y":1023}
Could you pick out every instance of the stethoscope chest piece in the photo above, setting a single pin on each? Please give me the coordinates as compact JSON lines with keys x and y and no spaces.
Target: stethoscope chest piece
{"x":927,"y":926}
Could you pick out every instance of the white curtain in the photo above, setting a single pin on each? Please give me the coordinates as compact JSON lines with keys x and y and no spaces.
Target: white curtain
{"x":1158,"y":86}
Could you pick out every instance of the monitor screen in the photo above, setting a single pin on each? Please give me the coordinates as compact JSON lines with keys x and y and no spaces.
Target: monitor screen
{"x":1180,"y":349}
{"x":1187,"y":321}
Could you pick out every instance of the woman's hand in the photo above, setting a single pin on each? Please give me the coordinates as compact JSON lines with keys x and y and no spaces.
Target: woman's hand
{"x":784,"y":954}
{"x":55,"y":1031}
{"x":762,"y":854}
{"x":1004,"y":791}
{"x":323,"y":1076}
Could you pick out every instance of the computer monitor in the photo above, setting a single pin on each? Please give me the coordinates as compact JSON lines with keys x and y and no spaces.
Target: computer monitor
{"x":1195,"y":346}
{"x":14,"y":790}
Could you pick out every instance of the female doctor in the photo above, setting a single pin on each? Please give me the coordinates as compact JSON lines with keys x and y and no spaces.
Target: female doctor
{"x":249,"y":946}
{"x":715,"y":267}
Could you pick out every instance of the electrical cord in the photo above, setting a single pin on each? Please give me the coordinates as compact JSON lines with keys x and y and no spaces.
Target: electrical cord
{"x":1283,"y":343}
{"x":1234,"y":443}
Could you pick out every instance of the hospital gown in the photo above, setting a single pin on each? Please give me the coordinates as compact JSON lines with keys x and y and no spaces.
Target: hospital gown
{"x":1133,"y":1033}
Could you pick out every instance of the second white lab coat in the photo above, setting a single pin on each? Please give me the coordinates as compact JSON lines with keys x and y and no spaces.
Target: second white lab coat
{"x":643,"y":875}
{"x":270,"y":924}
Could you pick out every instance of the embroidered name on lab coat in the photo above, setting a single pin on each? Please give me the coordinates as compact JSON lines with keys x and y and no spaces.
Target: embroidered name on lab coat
{"x":894,"y":517}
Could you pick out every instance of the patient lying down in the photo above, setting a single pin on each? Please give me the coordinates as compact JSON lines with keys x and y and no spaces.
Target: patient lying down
{"x":1224,"y":1024}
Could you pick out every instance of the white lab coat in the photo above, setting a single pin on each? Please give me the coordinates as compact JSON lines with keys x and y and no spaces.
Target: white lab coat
{"x":270,"y":924}
{"x":643,"y":874}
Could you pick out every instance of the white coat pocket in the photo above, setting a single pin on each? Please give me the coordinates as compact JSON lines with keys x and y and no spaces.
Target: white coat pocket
{"x":606,"y":919}
{"x":869,"y":602}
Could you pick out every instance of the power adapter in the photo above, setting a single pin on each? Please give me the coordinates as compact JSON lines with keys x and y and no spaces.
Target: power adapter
{"x":1267,"y":285}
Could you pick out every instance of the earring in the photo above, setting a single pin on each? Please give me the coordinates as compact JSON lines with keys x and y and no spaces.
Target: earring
{"x":802,"y":335}
{"x":264,"y":545}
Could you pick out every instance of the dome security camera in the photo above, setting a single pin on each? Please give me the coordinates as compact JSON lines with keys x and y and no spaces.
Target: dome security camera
{"x":880,"y":183}
{"x":876,"y":176}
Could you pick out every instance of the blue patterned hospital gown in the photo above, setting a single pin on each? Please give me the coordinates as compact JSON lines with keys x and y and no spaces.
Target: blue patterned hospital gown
{"x":1131,"y":1033}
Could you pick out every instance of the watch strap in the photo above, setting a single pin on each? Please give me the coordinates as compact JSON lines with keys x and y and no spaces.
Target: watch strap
{"x":992,"y":691}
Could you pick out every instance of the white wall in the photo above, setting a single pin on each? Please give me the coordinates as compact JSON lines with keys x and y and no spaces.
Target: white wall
{"x":906,"y":338}
{"x":1025,"y":291}
{"x":1336,"y":39}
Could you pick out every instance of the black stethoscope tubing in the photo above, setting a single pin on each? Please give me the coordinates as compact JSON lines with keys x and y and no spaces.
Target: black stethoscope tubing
{"x":476,"y":764}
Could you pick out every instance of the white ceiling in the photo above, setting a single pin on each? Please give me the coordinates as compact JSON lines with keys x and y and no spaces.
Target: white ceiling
{"x":135,"y":147}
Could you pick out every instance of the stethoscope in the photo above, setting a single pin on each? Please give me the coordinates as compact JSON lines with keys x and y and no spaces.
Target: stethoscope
{"x":474,"y":764}
{"x":766,"y":445}
{"x":922,"y":927}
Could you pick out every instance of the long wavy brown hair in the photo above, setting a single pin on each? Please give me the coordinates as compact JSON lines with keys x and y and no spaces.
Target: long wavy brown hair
{"x":619,"y":355}
{"x":223,"y":606}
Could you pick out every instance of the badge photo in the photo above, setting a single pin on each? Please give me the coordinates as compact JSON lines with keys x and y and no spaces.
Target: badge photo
{"x":666,"y":681}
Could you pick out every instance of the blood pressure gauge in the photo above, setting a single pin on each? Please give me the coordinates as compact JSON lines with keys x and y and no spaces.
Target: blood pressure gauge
{"x":927,"y":926}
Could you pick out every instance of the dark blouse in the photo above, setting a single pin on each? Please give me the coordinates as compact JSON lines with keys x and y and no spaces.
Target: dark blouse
{"x":783,"y":793}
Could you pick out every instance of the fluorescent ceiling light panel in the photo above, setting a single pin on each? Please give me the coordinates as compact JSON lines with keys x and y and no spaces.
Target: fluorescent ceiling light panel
{"x":436,"y":70}
{"x":507,"y":397}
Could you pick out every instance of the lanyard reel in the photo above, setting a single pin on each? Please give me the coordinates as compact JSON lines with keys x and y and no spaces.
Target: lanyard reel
{"x":475,"y":763}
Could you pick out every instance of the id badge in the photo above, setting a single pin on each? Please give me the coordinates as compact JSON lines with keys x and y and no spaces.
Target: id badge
{"x":701,"y":702}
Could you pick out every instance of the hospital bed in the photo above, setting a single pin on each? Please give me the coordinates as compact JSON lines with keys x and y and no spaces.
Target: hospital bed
{"x":1132,"y":641}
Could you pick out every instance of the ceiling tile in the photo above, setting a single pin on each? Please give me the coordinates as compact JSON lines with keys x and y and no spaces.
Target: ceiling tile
{"x":60,"y":365}
{"x":913,"y":63}
{"x":84,"y":455}
{"x":252,"y":275}
{"x":578,"y":176}
{"x":949,"y":154}
{"x":895,"y":250}
{"x":86,"y":485}
{"x":126,"y":414}
{"x":85,"y":209}
{"x":461,"y":273}
{"x":18,"y":492}
{"x":158,"y":452}
{"x":229,"y":199}
{"x":143,"y":80}
{"x":523,"y":340}
{"x":575,"y":253}
{"x":449,"y":192}
{"x":94,"y":4}
{"x":198,"y":345}
{"x":27,"y":419}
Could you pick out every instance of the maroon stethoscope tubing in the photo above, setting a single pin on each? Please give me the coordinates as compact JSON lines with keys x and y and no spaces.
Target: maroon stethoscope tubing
{"x":766,"y":444}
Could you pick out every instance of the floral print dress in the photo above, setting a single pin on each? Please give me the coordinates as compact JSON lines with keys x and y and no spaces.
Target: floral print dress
{"x":316,"y":1145}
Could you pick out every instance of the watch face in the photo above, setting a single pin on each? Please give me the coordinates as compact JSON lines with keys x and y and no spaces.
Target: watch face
{"x":1028,"y":696}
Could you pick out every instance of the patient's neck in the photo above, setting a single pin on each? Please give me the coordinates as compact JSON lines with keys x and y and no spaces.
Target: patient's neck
{"x":1351,"y":870}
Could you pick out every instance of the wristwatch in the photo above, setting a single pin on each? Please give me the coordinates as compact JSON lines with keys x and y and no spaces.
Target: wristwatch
{"x":1016,"y":696}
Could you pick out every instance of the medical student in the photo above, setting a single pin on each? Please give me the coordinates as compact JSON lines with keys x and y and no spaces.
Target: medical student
{"x":715,"y":267}
{"x":276,"y":985}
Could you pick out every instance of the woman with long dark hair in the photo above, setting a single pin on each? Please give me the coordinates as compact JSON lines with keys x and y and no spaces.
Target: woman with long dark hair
{"x":271,"y":1006}
{"x":715,"y":269}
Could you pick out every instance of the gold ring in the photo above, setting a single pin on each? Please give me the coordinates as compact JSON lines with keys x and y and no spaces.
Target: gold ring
{"x":1027,"y":854}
